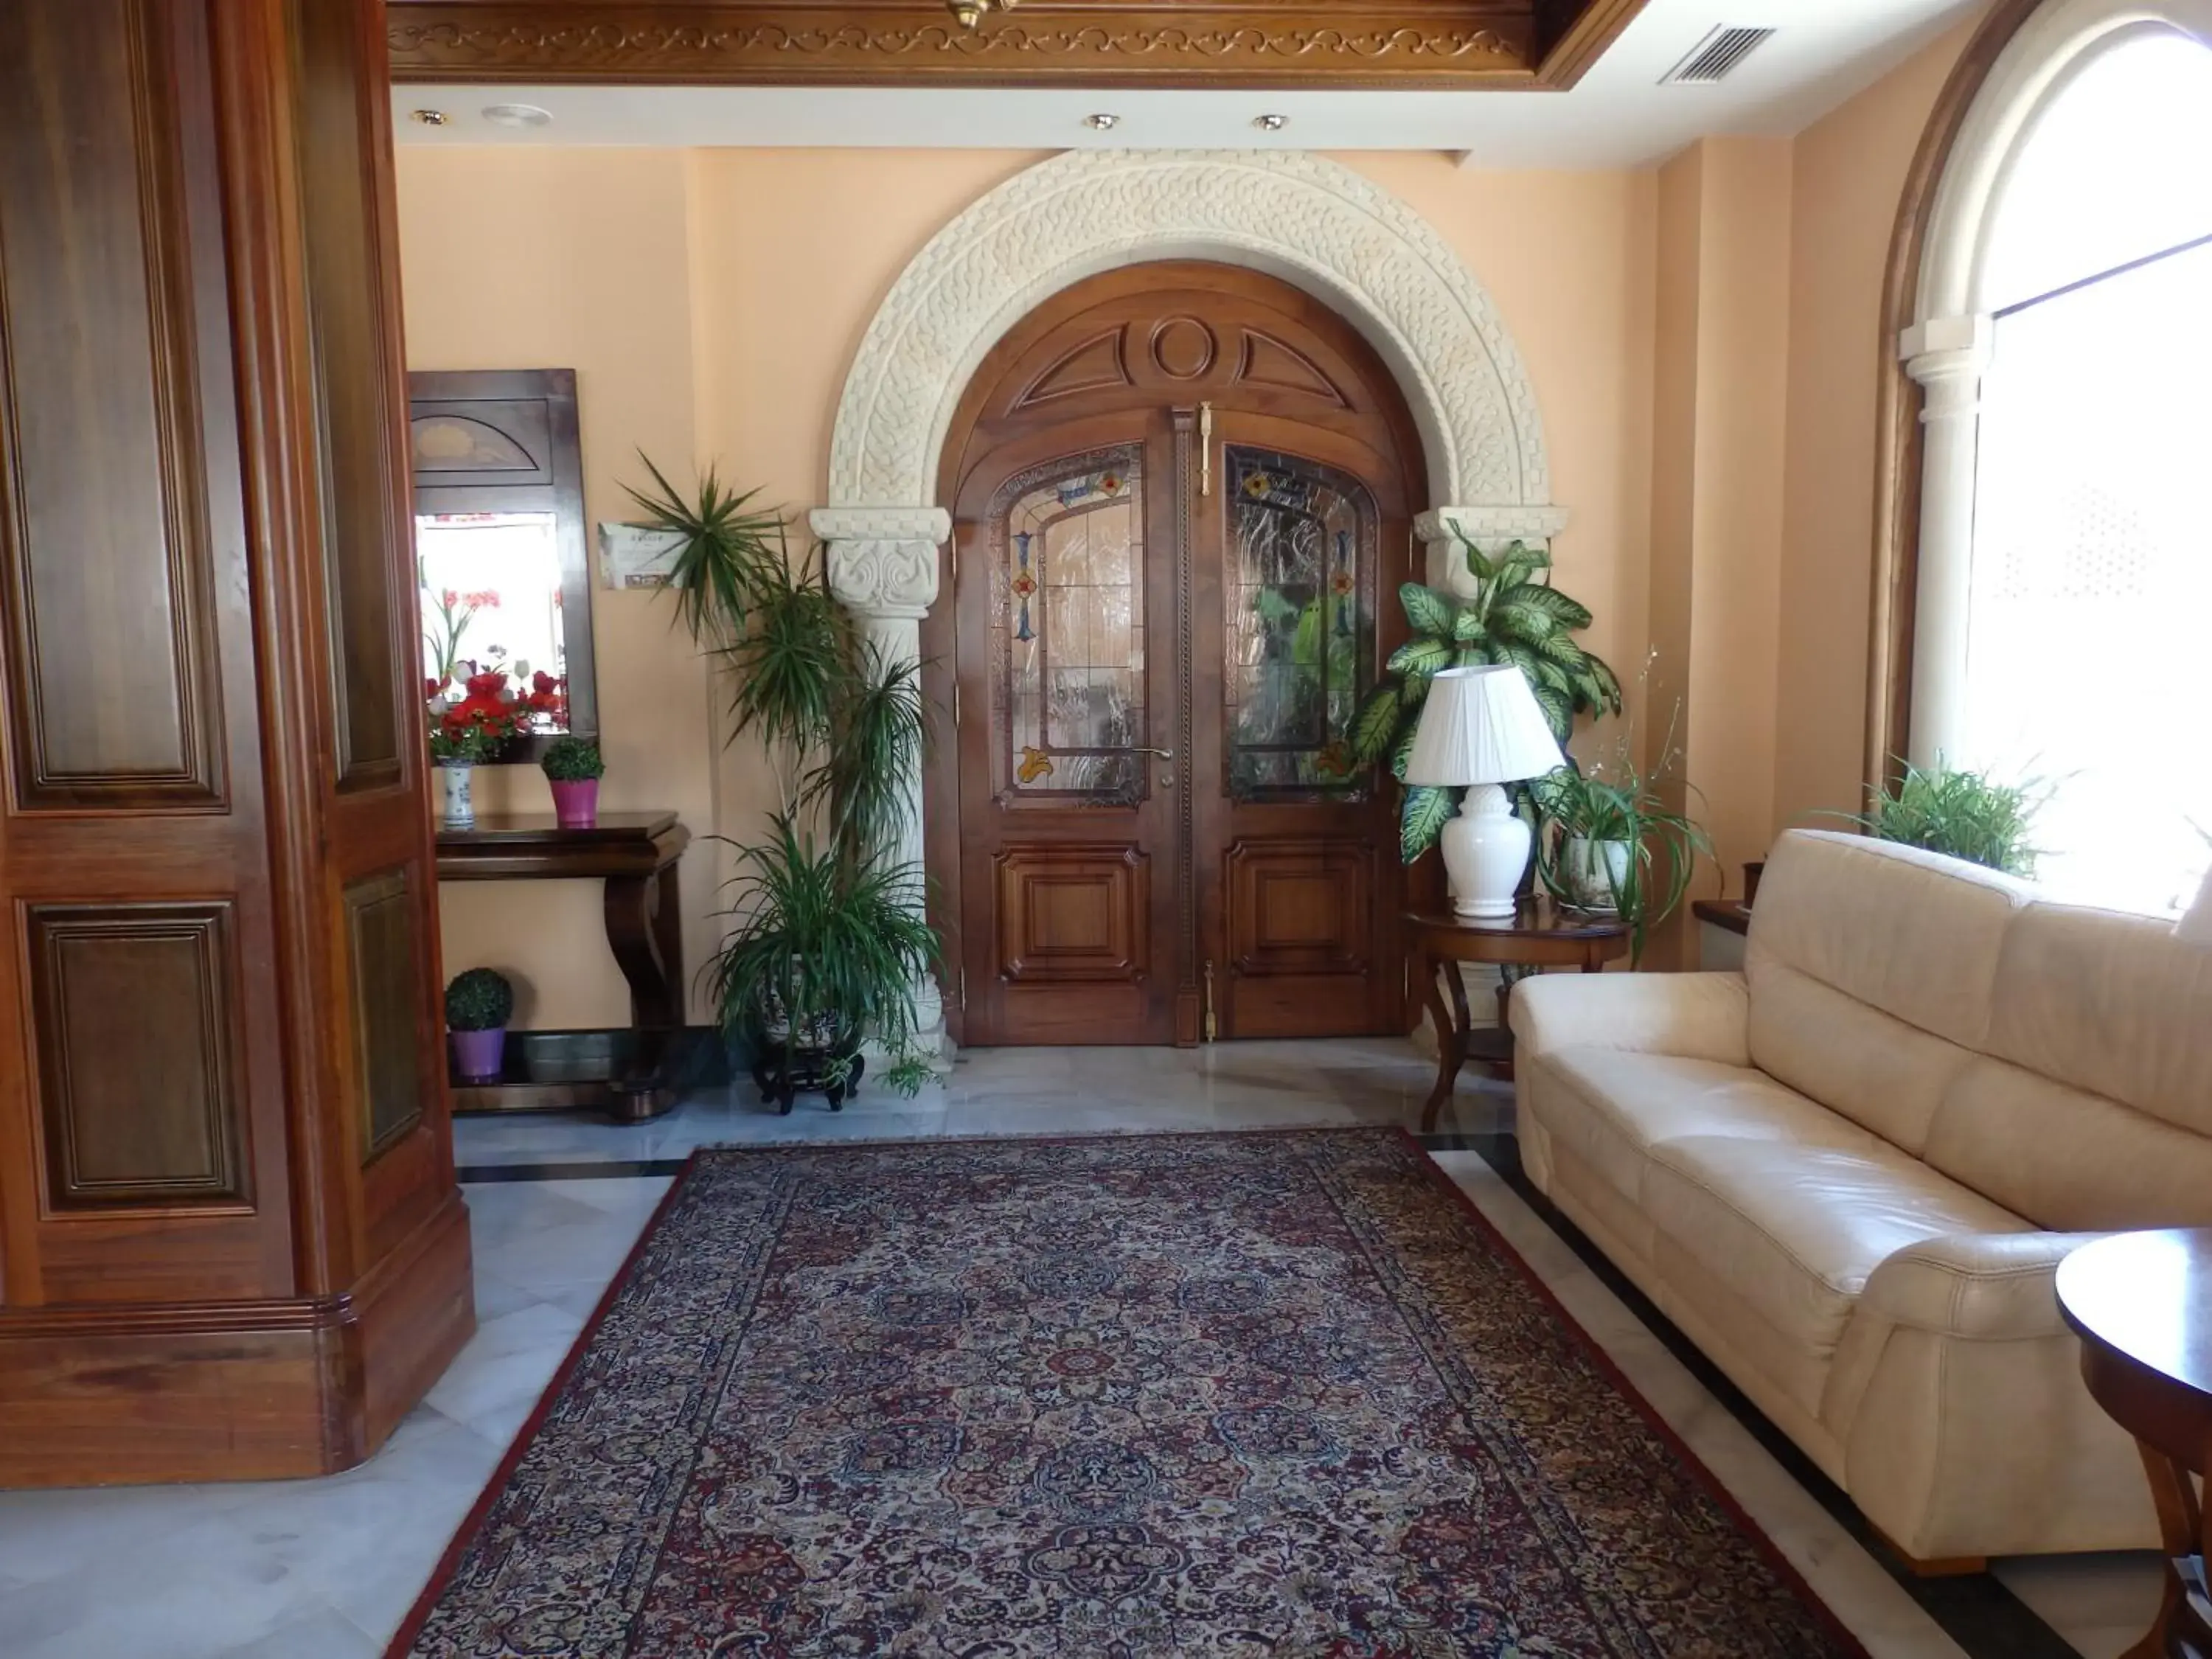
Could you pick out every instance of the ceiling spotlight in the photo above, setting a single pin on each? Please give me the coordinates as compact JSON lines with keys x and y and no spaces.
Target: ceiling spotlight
{"x":1101,"y":122}
{"x":518,"y":115}
{"x":969,"y":13}
{"x":1270,"y":123}
{"x":430,"y":118}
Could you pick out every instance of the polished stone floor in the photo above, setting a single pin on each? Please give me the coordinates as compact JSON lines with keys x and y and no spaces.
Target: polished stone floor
{"x":326,"y":1569}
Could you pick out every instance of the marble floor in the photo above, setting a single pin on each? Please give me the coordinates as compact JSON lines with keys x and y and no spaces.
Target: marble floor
{"x":326,"y":1569}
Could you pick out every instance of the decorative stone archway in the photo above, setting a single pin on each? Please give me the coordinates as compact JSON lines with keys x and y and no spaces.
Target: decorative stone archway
{"x":1310,"y":222}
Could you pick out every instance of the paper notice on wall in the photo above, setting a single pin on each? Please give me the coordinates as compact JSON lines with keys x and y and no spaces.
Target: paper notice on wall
{"x":630,"y":556}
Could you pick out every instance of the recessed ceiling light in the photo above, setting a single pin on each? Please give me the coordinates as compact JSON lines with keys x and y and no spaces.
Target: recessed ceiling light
{"x":1101,"y":122}
{"x":518,"y":115}
{"x":1270,"y":123}
{"x":431,"y":117}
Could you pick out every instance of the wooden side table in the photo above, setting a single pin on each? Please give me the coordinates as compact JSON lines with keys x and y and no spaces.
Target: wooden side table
{"x":635,"y":854}
{"x":2142,"y":1303}
{"x":1541,"y":935}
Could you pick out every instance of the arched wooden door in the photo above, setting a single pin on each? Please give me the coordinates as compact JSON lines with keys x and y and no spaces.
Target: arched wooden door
{"x":1181,"y":497}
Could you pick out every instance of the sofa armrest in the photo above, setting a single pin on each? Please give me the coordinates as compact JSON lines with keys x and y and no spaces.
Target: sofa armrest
{"x":1691,"y":1016}
{"x":1996,"y":1286}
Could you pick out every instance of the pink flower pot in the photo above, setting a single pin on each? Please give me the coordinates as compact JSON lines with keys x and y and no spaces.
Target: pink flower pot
{"x":576,"y":806}
{"x":479,"y":1056}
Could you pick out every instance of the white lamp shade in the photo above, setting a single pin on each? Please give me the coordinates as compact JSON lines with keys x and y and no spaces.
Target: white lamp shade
{"x":2196,"y":924}
{"x":1482,"y":726}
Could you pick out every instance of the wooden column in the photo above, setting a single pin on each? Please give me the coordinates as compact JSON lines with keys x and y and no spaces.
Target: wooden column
{"x":231,"y":1245}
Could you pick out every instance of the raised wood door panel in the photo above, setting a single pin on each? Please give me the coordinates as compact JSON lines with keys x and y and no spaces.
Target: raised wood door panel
{"x":1267,"y":875}
{"x":143,"y":1135}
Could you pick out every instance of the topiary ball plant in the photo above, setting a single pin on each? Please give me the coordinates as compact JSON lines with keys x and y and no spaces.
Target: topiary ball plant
{"x":480,"y":1000}
{"x":573,"y":760}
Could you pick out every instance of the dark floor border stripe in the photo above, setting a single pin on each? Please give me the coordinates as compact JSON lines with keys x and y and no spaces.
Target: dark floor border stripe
{"x":1977,"y":1611}
{"x":600,"y":1169}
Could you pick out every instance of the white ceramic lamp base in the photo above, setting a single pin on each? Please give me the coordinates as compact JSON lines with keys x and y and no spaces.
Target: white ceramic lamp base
{"x":1485,"y":848}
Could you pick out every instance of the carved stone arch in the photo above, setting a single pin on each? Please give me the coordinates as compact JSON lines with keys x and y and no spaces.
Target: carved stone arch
{"x":1311,"y":221}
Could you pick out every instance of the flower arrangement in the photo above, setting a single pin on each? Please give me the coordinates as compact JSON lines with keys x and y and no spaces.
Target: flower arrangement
{"x":466,"y":729}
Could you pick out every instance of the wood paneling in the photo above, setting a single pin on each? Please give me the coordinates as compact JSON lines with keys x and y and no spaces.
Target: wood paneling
{"x":384,"y":954}
{"x":154,"y":1119}
{"x":1073,"y":915}
{"x":373,"y":687}
{"x":1499,"y":45}
{"x":104,"y":536}
{"x":199,"y":1278}
{"x":1300,"y":907}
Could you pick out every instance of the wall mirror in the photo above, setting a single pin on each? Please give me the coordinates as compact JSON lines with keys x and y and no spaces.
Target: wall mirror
{"x":500,"y":546}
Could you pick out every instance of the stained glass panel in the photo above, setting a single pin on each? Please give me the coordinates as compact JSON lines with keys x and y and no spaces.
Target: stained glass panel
{"x":1067,"y":631}
{"x":1299,"y":597}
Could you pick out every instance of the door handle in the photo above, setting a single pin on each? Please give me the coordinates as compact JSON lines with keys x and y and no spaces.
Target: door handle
{"x":1164,"y":754}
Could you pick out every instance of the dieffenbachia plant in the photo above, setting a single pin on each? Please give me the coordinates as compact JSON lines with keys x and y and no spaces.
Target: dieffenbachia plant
{"x":1514,"y":616}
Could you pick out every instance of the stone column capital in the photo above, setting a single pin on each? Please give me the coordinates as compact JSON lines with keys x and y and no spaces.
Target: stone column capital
{"x":1945,"y":356}
{"x":883,"y":560}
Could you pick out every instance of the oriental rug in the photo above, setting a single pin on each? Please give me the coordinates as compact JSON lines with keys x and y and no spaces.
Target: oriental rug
{"x":1281,"y":1393}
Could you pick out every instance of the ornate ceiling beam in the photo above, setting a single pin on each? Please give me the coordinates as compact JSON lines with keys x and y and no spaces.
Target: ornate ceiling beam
{"x":1506,"y":44}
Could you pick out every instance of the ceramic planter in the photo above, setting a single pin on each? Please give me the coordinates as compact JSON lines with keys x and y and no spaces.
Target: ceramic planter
{"x":460,"y":798}
{"x":1593,"y":872}
{"x":479,"y":1056}
{"x":576,"y":803}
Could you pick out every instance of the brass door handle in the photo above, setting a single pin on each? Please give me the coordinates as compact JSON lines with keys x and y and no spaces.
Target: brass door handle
{"x":1164,"y":754}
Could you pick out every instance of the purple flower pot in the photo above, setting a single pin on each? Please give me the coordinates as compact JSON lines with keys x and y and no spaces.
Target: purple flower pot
{"x":576,"y":805}
{"x":479,"y":1056}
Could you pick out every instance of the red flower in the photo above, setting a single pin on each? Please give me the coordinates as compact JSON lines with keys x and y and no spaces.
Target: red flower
{"x":431,"y":688}
{"x":484,"y":599}
{"x":490,"y":685}
{"x":449,"y":598}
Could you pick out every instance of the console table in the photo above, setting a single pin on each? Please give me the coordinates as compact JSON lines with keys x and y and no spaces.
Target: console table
{"x":634,"y":854}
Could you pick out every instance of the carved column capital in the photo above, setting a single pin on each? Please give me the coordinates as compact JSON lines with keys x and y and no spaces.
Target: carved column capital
{"x":1946,"y":356}
{"x":883,"y":560}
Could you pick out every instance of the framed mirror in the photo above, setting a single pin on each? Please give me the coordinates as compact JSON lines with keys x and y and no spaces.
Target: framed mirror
{"x":500,"y":545}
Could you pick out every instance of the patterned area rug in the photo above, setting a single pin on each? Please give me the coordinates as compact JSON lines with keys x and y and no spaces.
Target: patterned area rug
{"x":1279,"y":1395}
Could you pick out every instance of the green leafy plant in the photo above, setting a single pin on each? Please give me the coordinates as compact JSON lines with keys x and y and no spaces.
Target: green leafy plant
{"x":1966,"y":814}
{"x":1581,"y":813}
{"x":826,"y":943}
{"x":479,"y":999}
{"x":1514,"y":616}
{"x":573,"y":760}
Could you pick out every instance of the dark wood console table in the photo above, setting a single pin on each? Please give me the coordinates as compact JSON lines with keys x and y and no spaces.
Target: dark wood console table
{"x":635,"y":854}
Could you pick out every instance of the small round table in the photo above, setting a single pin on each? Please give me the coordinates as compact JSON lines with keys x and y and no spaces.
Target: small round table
{"x":1541,"y":934}
{"x":2142,"y":1303}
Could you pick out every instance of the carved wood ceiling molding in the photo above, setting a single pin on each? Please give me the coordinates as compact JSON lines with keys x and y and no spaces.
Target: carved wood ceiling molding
{"x":1506,"y":44}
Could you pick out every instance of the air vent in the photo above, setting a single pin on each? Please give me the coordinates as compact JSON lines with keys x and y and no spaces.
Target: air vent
{"x":1718,"y":56}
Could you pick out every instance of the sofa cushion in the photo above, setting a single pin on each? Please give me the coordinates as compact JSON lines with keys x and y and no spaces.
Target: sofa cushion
{"x":1906,"y":934}
{"x":1613,"y":1106}
{"x":1795,"y":1229}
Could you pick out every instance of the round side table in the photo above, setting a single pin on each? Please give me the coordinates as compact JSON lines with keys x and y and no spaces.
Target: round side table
{"x":1541,"y":934}
{"x":2142,"y":1303}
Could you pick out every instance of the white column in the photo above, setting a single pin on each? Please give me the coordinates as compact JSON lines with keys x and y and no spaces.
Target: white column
{"x":1946,"y":357}
{"x":883,"y":568}
{"x":1489,"y":528}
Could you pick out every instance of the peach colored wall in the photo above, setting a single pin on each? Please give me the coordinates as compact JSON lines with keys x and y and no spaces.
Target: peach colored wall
{"x":1848,"y":173}
{"x":701,"y":330}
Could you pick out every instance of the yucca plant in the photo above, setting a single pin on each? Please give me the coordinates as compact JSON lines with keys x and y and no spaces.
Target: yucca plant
{"x":1964,"y":813}
{"x":826,"y":943}
{"x":1515,"y":616}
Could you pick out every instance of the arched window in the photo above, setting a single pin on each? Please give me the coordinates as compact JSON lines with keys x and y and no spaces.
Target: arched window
{"x":2062,"y":338}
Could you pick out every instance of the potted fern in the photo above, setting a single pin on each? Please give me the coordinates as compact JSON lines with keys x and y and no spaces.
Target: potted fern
{"x":826,"y":942}
{"x":573,"y":769}
{"x":478,"y":1004}
{"x":1514,"y":616}
{"x":1964,"y":813}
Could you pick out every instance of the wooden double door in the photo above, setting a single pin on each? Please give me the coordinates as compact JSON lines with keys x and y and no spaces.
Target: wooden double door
{"x":1181,"y":497}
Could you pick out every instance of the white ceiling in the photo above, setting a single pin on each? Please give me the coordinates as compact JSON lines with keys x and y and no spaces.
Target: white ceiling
{"x":1620,"y":116}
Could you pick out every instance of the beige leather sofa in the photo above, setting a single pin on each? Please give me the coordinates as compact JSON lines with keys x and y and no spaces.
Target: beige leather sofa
{"x":1849,"y":1173}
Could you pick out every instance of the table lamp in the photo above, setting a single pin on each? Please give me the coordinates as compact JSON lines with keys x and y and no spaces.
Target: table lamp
{"x":1482,"y":727}
{"x":2194,"y":926}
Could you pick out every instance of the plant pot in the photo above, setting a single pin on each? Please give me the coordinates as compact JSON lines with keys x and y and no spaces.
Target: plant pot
{"x":460,"y":798}
{"x":479,"y":1056}
{"x":1593,"y":872}
{"x":576,"y":803}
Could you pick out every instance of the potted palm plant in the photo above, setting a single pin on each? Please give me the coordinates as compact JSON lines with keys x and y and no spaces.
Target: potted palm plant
{"x":478,"y":1004}
{"x":573,"y":769}
{"x":826,"y":940}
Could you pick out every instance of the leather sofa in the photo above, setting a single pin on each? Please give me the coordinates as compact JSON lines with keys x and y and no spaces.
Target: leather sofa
{"x":1849,"y":1172}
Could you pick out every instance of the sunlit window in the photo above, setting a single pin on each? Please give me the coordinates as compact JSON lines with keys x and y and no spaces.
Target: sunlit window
{"x":2092,"y":543}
